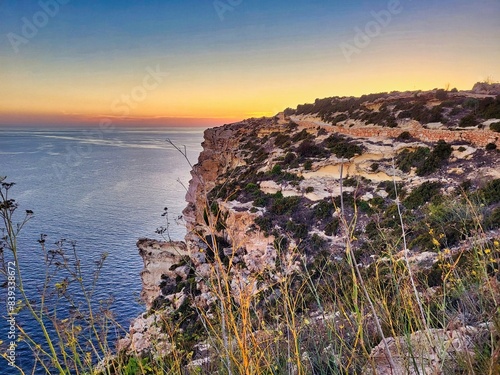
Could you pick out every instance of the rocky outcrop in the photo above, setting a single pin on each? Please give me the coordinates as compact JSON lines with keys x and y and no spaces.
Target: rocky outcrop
{"x":486,"y":88}
{"x":159,"y":258}
{"x":264,"y":187}
{"x":435,"y":352}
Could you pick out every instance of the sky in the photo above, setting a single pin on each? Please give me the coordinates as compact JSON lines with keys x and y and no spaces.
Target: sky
{"x":209,"y":62}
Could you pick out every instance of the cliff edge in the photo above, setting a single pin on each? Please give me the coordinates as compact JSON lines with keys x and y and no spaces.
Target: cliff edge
{"x":286,"y":197}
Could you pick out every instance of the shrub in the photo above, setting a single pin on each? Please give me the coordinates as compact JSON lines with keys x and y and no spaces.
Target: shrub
{"x":441,"y":94}
{"x":471,"y":103}
{"x":364,"y":206}
{"x":391,"y":122}
{"x":441,"y":152}
{"x":422,"y":194}
{"x":323,"y":209}
{"x":321,"y":132}
{"x":350,"y":182}
{"x":276,"y":170}
{"x":317,"y":242}
{"x":388,"y":187}
{"x":302,"y":135}
{"x":251,"y":187}
{"x":299,"y":231}
{"x":308,"y":165}
{"x":495,"y":127}
{"x":422,"y":242}
{"x":283,"y":205}
{"x":265,"y":223}
{"x":469,"y":120}
{"x":331,"y":227}
{"x":491,"y":146}
{"x":261,"y":201}
{"x":309,"y":189}
{"x":341,"y":147}
{"x":408,"y":159}
{"x":491,"y":192}
{"x":309,"y":149}
{"x":489,"y":108}
{"x":339,"y":118}
{"x":492,"y":221}
{"x":289,"y":157}
{"x":404,"y":136}
{"x":281,"y":140}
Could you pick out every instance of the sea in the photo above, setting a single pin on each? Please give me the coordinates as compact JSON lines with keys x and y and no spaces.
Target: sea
{"x":99,"y":190}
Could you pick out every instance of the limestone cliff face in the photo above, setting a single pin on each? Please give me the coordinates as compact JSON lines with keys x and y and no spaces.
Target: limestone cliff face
{"x":220,"y":156}
{"x":265,"y":187}
{"x":248,"y":153}
{"x":158,"y":258}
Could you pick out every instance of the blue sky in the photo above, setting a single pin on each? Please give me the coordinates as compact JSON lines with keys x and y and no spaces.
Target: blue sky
{"x":256,"y":58}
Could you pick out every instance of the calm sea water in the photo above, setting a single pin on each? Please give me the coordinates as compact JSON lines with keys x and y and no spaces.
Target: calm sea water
{"x":103,"y":190}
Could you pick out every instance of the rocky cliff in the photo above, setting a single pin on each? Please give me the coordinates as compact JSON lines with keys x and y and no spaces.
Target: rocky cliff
{"x":272,"y":196}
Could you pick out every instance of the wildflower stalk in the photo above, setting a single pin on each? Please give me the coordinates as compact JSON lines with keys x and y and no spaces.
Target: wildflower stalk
{"x":357,"y":276}
{"x":405,"y":252}
{"x":7,"y":209}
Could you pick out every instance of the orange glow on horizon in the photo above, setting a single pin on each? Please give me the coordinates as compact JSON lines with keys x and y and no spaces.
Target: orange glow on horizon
{"x":225,"y":97}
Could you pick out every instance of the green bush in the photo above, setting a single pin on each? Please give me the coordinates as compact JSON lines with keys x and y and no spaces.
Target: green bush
{"x":422,"y":194}
{"x":299,"y":231}
{"x":441,"y":94}
{"x":323,"y":209}
{"x":491,"y":146}
{"x":289,"y":158}
{"x":261,"y":201}
{"x":281,"y":140}
{"x":317,"y":242}
{"x":408,"y":159}
{"x":341,"y":147}
{"x":425,"y":161}
{"x":489,"y":108}
{"x":404,"y":136}
{"x":495,"y":127}
{"x":364,"y":206}
{"x":350,"y":182}
{"x":469,"y":120}
{"x":492,"y":221}
{"x":491,"y":192}
{"x":332,"y":226}
{"x":302,"y":135}
{"x":377,"y":202}
{"x":276,"y":170}
{"x":388,"y":187}
{"x":309,"y":149}
{"x":391,"y":122}
{"x":283,"y":205}
{"x":265,"y":223}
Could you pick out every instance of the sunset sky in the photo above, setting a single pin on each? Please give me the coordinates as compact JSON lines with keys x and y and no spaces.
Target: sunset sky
{"x":205,"y":62}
